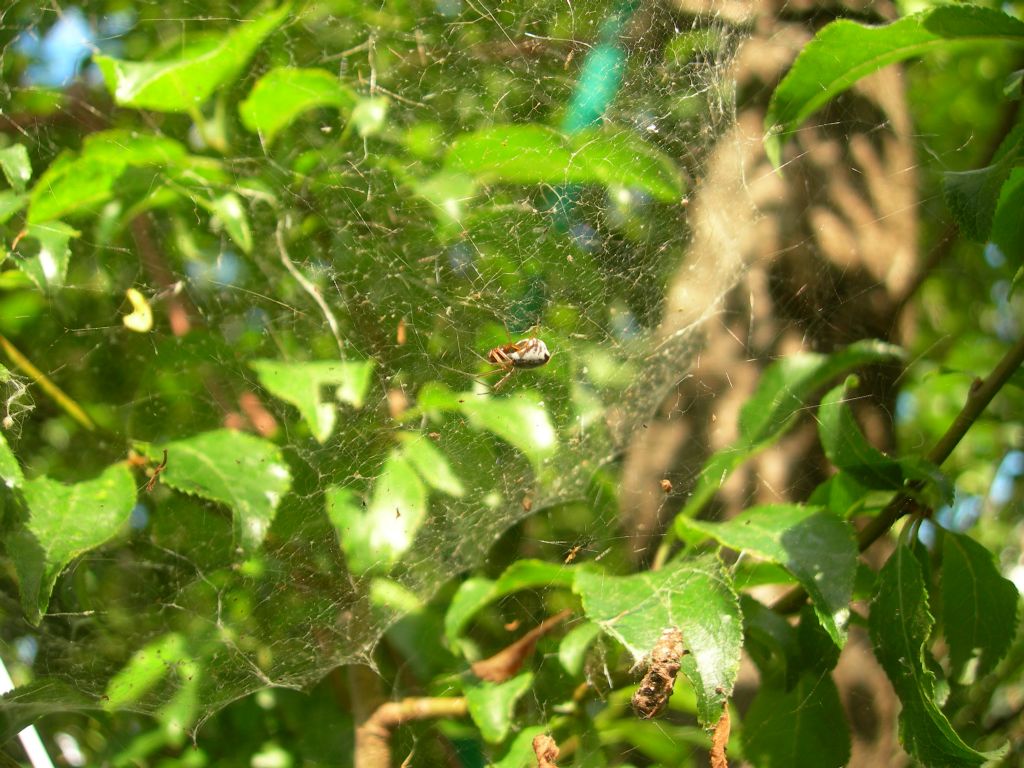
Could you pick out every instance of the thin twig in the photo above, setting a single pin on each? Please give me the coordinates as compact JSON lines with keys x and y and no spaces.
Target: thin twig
{"x":978,"y":398}
{"x":59,"y":396}
{"x":373,"y":736}
{"x":308,"y":287}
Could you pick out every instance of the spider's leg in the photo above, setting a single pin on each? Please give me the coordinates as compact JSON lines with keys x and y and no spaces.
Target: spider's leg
{"x":504,"y":378}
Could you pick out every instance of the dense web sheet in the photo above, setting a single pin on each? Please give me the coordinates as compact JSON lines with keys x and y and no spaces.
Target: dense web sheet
{"x":395,"y":259}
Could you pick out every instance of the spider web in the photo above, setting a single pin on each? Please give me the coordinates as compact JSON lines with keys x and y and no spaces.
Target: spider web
{"x":603,"y":274}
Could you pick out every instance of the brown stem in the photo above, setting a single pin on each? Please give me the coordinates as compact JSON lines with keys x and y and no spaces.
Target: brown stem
{"x":978,"y":398}
{"x":373,"y":736}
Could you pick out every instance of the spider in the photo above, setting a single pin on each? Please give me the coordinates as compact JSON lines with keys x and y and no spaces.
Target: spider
{"x":525,"y":353}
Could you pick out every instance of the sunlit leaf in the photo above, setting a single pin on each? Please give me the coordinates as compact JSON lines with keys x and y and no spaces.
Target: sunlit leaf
{"x":520,"y":753}
{"x":184,"y":84}
{"x":245,"y":473}
{"x":140,"y":319}
{"x":492,"y":705}
{"x":900,"y":626}
{"x":979,"y":605}
{"x":473,"y":594}
{"x":48,"y":267}
{"x":844,"y":51}
{"x":369,"y":115}
{"x":303,"y":383}
{"x":10,"y":470}
{"x":144,"y":670}
{"x":65,"y":521}
{"x":16,"y":167}
{"x":521,"y":420}
{"x":10,"y":204}
{"x":802,"y":726}
{"x":284,"y":93}
{"x":697,"y":597}
{"x":817,"y":547}
{"x":535,"y":154}
{"x":433,"y":466}
{"x":846,"y":446}
{"x":572,"y":650}
{"x":231,"y":213}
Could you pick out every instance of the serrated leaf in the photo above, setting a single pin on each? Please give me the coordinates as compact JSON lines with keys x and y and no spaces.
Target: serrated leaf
{"x":144,"y":671}
{"x":375,"y":538}
{"x":1008,"y":225}
{"x":183,"y":84}
{"x":817,"y":547}
{"x":16,"y":167}
{"x":900,"y":624}
{"x":799,"y":727}
{"x":302,"y":385}
{"x":781,"y":397}
{"x":49,"y":266}
{"x":245,"y":473}
{"x":979,"y":605}
{"x":847,"y":448}
{"x":284,"y":93}
{"x":432,"y":465}
{"x":492,"y":705}
{"x":972,"y":196}
{"x":473,"y":594}
{"x":536,"y":154}
{"x":697,"y":597}
{"x":65,"y":521}
{"x":843,"y":52}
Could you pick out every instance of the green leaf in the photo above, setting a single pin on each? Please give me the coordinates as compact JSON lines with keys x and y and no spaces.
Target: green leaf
{"x":900,"y":625}
{"x":10,"y":204}
{"x":183,"y":84}
{"x":843,"y":52}
{"x":369,"y":115}
{"x":520,"y":419}
{"x":10,"y":470}
{"x":473,"y":594}
{"x":49,"y":266}
{"x":65,"y":521}
{"x":800,"y":727}
{"x":245,"y":473}
{"x":432,"y":465}
{"x":536,"y":154}
{"x":232,"y":215}
{"x":144,"y":670}
{"x":75,"y":183}
{"x":782,"y":396}
{"x":972,"y":196}
{"x":284,"y":93}
{"x":697,"y":597}
{"x":572,"y":651}
{"x":492,"y":705}
{"x":520,"y":754}
{"x":979,"y":605}
{"x":1008,"y":225}
{"x":16,"y":167}
{"x":846,"y":446}
{"x":817,"y":547}
{"x":302,"y":385}
{"x":375,"y":538}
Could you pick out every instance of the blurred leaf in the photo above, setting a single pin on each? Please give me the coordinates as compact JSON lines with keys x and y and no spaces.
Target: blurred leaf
{"x":972,"y":196}
{"x":473,"y":594}
{"x":65,"y":521}
{"x":48,"y":268}
{"x":979,"y":605}
{"x":284,"y":93}
{"x":572,"y":650}
{"x":183,"y":84}
{"x":432,"y":465}
{"x":535,"y":154}
{"x":302,"y":385}
{"x":521,"y":420}
{"x":520,"y":754}
{"x":772,"y":643}
{"x":374,"y":538}
{"x":245,"y":473}
{"x":844,"y":51}
{"x":697,"y":597}
{"x":10,"y":470}
{"x":144,"y":670}
{"x":232,"y":214}
{"x":10,"y":204}
{"x":799,"y":727}
{"x":16,"y":167}
{"x":492,"y":705}
{"x":369,"y":115}
{"x":900,"y":625}
{"x":782,"y":396}
{"x":817,"y":547}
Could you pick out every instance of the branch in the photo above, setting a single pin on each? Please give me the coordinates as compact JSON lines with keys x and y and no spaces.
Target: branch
{"x":373,"y":736}
{"x":978,"y":398}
